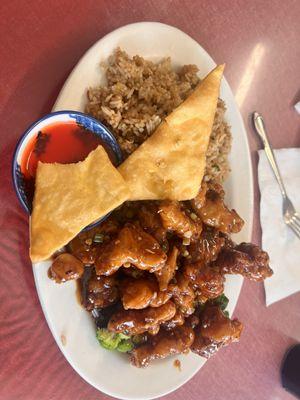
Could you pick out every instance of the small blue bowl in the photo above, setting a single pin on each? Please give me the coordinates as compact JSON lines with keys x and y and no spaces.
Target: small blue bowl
{"x":81,"y":120}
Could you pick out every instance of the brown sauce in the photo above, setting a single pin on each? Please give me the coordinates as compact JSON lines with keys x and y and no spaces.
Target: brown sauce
{"x":82,"y":286}
{"x":63,"y":339}
{"x":177,"y":364}
{"x":49,"y":273}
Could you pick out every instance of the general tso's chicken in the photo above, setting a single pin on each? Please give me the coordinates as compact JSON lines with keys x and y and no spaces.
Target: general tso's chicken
{"x":161,"y":298}
{"x":199,"y":201}
{"x":141,"y":293}
{"x":216,"y":326}
{"x":132,"y":246}
{"x":83,"y":248}
{"x":175,"y":219}
{"x":164,"y":344}
{"x":183,"y":295}
{"x":102,"y":291}
{"x":167,"y":272}
{"x":207,"y":281}
{"x":138,"y":293}
{"x":207,"y":247}
{"x":66,"y":267}
{"x":134,"y":322}
{"x":84,"y":245}
{"x":150,"y":221}
{"x":193,"y":320}
{"x":215,"y":331}
{"x":216,"y":214}
{"x":177,"y":320}
{"x":246,"y":259}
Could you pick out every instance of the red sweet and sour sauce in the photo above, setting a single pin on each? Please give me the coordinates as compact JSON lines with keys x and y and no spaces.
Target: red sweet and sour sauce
{"x":64,"y":143}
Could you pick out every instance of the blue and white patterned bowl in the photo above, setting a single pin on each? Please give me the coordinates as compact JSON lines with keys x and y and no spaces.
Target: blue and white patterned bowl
{"x":82,"y":120}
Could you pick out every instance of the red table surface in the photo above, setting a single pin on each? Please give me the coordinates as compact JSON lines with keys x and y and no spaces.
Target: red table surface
{"x":40,"y":43}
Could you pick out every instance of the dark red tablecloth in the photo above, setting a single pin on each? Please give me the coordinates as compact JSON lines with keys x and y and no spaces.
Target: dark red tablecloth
{"x":40,"y":42}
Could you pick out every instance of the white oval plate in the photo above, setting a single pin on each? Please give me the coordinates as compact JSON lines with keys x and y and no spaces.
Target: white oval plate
{"x":70,"y":324}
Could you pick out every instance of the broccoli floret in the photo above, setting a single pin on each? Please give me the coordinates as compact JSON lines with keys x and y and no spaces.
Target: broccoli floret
{"x":222,"y":301}
{"x":125,"y":345}
{"x":108,"y":340}
{"x":122,"y":336}
{"x":114,"y":341}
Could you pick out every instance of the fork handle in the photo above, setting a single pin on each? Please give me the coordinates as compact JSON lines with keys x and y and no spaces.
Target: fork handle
{"x":260,"y":129}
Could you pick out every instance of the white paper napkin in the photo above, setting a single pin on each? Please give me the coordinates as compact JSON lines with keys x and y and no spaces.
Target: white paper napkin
{"x":278,"y":240}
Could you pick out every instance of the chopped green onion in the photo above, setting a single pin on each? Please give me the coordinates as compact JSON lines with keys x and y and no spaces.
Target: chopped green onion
{"x":98,"y":238}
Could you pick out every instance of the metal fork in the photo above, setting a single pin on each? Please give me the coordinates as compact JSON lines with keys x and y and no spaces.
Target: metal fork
{"x":290,"y":215}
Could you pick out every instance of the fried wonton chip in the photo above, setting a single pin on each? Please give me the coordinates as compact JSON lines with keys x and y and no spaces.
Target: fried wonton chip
{"x":68,"y":197}
{"x":171,"y":163}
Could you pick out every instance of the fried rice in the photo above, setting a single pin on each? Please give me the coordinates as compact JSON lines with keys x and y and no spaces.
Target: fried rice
{"x":139,"y":94}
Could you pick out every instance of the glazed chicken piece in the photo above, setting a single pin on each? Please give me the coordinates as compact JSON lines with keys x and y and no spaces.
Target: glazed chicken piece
{"x":83,"y":248}
{"x":199,"y":201}
{"x":216,"y":214}
{"x":141,"y":293}
{"x":207,"y":247}
{"x":167,"y":272}
{"x":161,"y":298}
{"x":175,"y":219}
{"x":102,"y":291}
{"x":183,"y":295}
{"x":193,"y":320}
{"x":134,"y":322}
{"x":84,"y":245}
{"x":207,"y":281}
{"x":166,"y":343}
{"x":215,"y":331}
{"x":245,"y":259}
{"x":65,"y":267}
{"x":150,"y":221}
{"x":132,"y":246}
{"x":177,"y":320}
{"x":138,"y":293}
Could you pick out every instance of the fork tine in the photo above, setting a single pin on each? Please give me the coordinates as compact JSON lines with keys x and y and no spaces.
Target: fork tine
{"x":296,"y":220}
{"x":294,"y":228}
